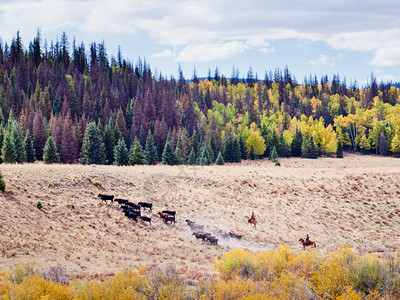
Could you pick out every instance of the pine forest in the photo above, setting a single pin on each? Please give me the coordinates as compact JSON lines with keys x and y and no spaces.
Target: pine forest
{"x":62,"y":102}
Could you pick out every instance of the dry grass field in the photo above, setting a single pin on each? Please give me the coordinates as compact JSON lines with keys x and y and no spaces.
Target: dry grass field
{"x":353,"y":201}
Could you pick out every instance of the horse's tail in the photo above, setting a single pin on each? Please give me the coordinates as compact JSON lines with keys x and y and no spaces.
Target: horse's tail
{"x":315,"y":245}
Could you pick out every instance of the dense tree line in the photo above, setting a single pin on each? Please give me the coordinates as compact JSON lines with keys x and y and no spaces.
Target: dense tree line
{"x":66,"y":103}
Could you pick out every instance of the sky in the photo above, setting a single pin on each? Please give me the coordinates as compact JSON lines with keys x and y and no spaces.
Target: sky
{"x":352,"y":38}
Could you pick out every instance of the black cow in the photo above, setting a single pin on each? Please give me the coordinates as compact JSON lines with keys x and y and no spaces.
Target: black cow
{"x":169,"y":218}
{"x":170,"y":212}
{"x":212,"y":240}
{"x":199,"y":235}
{"x":106,"y":197}
{"x":132,"y":210}
{"x":133,"y":205}
{"x":235,"y":236}
{"x":131,"y":215}
{"x":146,"y":205}
{"x":121,"y":201}
{"x":146,"y":219}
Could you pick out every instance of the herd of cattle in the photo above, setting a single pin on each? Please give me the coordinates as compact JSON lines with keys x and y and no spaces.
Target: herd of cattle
{"x":133,"y":212}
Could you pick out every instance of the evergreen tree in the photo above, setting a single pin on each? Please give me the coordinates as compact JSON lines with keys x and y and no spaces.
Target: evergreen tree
{"x":2,"y":183}
{"x":8,"y":152}
{"x":50,"y":154}
{"x":121,"y":153}
{"x":29,"y":147}
{"x":109,"y":142}
{"x":18,"y":140}
{"x":308,"y":149}
{"x":136,"y":156}
{"x":243,"y":152}
{"x":339,"y":151}
{"x":297,"y":143}
{"x":236,"y":150}
{"x":93,"y":150}
{"x":252,"y":155}
{"x":204,"y":157}
{"x":220,"y":159}
{"x":192,"y":157}
{"x":180,"y":158}
{"x":168,"y":156}
{"x":150,"y":151}
{"x":274,"y":154}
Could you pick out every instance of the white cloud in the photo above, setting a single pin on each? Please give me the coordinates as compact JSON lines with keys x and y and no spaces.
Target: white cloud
{"x":210,"y":51}
{"x":163,"y":54}
{"x":322,"y":60}
{"x":227,"y":26}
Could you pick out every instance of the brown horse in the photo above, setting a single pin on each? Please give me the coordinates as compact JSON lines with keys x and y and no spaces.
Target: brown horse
{"x":251,"y":221}
{"x":308,"y":243}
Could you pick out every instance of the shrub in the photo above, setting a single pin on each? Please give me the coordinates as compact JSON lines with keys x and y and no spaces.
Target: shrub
{"x":277,"y":163}
{"x":39,"y":205}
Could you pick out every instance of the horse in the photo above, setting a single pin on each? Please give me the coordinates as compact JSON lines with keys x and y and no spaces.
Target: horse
{"x":308,"y":243}
{"x":251,"y":221}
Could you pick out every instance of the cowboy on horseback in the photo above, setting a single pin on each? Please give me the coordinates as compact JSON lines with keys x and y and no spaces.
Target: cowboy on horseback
{"x":253,"y":217}
{"x":307,"y":239}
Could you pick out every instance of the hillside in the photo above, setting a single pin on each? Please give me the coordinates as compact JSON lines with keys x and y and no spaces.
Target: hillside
{"x":353,"y":201}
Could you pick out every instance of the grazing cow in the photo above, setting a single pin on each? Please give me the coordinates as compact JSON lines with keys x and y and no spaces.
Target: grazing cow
{"x":133,"y":205}
{"x":106,"y":197}
{"x":146,"y":219}
{"x":212,"y":240}
{"x":146,"y":205}
{"x":121,"y":201}
{"x":132,"y":210}
{"x":169,"y":218}
{"x":170,"y":212}
{"x":235,"y":236}
{"x":131,"y":215}
{"x":199,"y":235}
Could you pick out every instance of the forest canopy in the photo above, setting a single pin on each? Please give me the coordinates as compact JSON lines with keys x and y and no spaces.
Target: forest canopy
{"x":94,"y":107}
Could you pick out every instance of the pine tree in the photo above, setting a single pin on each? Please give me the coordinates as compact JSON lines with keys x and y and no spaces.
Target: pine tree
{"x":2,"y":183}
{"x":204,"y":157}
{"x":121,"y":153}
{"x":308,"y":149}
{"x":50,"y":154}
{"x":109,"y":141}
{"x":243,"y":152}
{"x":339,"y":151}
{"x":93,"y":150}
{"x":39,"y":133}
{"x":151,"y":150}
{"x":168,"y":156}
{"x":18,"y":140}
{"x":8,"y":152}
{"x":252,"y":156}
{"x":180,"y":158}
{"x":192,"y":157}
{"x":274,"y":154}
{"x":297,"y":143}
{"x":29,"y":147}
{"x":220,"y":160}
{"x":136,"y":156}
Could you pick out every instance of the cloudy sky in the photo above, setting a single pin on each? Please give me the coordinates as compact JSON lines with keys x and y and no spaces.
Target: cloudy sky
{"x":351,"y":38}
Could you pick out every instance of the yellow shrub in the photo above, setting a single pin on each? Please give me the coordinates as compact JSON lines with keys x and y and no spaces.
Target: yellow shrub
{"x":335,"y":274}
{"x":36,"y":287}
{"x":238,"y":288}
